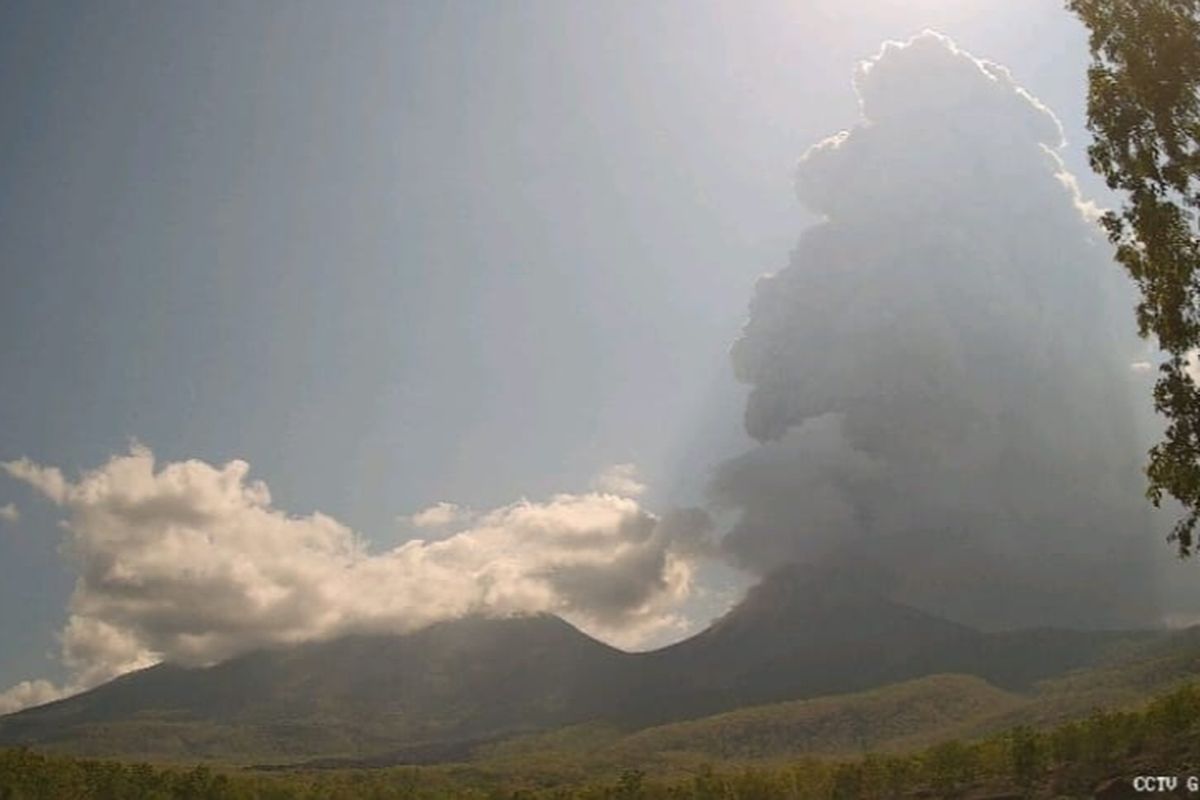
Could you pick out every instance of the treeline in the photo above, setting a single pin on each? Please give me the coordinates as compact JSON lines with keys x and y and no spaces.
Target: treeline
{"x":1071,"y":760}
{"x":26,"y":775}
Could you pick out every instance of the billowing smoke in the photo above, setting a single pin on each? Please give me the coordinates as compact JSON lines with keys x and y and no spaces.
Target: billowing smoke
{"x":190,"y":563}
{"x":941,"y":375}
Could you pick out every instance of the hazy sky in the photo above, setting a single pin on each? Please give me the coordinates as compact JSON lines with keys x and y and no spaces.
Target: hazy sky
{"x":397,"y":254}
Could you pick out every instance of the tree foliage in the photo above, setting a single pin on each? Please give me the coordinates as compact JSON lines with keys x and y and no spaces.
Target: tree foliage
{"x":1144,"y":113}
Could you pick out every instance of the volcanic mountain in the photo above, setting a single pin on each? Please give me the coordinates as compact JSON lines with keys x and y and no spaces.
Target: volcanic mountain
{"x":432,"y":694}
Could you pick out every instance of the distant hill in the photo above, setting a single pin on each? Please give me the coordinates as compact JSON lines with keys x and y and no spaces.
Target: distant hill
{"x":893,"y":718}
{"x":900,"y":715}
{"x":806,"y":633}
{"x":466,"y":679}
{"x":438,"y":693}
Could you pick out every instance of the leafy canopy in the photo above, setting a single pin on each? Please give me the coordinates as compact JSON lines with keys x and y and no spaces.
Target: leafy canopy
{"x":1144,"y":112}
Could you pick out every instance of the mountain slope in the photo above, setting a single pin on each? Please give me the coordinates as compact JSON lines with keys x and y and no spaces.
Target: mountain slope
{"x":889,"y":717}
{"x":894,"y":718}
{"x":428,"y":695}
{"x":466,"y":679}
{"x":806,"y":633}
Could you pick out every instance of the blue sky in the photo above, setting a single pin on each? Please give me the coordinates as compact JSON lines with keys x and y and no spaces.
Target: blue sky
{"x":396,"y":254}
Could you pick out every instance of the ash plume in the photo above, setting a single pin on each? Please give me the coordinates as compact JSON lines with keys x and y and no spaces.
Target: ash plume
{"x":940,"y":376}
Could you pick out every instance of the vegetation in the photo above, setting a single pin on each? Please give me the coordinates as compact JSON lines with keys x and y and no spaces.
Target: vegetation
{"x":894,"y":717}
{"x":1069,"y":760}
{"x":1144,"y":111}
{"x":438,"y":694}
{"x":898,"y":716}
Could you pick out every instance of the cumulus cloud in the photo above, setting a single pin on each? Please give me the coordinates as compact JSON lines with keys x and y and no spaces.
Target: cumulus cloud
{"x":191,"y":563}
{"x":620,"y":479}
{"x":940,"y":376}
{"x":439,"y":515}
{"x":10,"y":514}
{"x":47,"y":480}
{"x":28,"y":693}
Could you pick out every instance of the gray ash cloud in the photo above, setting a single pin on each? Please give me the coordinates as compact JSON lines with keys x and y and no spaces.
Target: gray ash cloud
{"x":940,"y":376}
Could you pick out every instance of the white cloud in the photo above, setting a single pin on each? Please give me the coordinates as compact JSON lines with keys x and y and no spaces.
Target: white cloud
{"x":189,"y":562}
{"x":439,"y":515}
{"x":621,"y":480}
{"x":47,"y":480}
{"x":10,"y":514}
{"x":28,"y":693}
{"x":1141,"y":367}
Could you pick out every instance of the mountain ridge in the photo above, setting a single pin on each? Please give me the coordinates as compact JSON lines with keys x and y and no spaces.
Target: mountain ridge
{"x":799,"y":634}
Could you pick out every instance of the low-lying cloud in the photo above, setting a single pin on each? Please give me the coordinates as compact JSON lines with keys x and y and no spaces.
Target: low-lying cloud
{"x":191,"y":563}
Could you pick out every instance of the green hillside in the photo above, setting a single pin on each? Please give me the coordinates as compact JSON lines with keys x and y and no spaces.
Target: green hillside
{"x":884,"y":718}
{"x":890,"y":717}
{"x":896,"y":718}
{"x":1095,"y":757}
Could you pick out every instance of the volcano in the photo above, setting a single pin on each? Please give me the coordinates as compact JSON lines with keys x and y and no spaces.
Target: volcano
{"x":800,"y":633}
